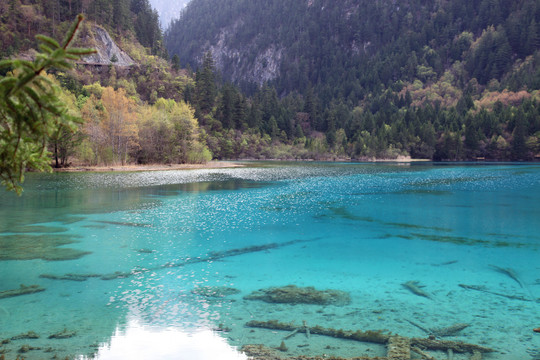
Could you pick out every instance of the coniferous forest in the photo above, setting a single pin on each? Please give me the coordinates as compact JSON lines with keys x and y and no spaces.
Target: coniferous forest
{"x":448,"y":80}
{"x":288,"y":79}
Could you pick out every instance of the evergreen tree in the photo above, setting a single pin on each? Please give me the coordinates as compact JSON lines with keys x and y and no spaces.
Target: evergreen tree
{"x":30,"y":109}
{"x":533,"y":38}
{"x":519,"y":149}
{"x":175,"y":60}
{"x":205,"y":88}
{"x":121,"y":14}
{"x":239,"y":110}
{"x":226,"y":108}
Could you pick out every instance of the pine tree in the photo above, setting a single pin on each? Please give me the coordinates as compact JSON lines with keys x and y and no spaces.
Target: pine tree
{"x":205,"y":88}
{"x":533,"y":39}
{"x":175,"y":60}
{"x":121,"y":14}
{"x":30,"y":110}
{"x":239,"y":110}
{"x":226,"y":108}
{"x":519,"y":149}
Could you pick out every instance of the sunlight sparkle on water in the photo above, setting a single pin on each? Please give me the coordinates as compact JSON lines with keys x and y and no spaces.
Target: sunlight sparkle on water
{"x":137,"y":341}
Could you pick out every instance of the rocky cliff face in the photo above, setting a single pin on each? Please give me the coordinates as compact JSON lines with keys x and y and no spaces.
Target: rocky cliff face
{"x":108,"y":53}
{"x":260,"y":41}
{"x":263,"y":68}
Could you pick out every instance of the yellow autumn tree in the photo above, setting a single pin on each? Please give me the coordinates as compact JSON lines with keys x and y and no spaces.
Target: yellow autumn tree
{"x":155,"y":132}
{"x":119,"y":124}
{"x":93,"y":147}
{"x":169,"y":133}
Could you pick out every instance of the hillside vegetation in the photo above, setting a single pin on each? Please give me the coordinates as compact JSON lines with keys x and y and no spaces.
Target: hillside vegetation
{"x":292,"y":79}
{"x":130,"y":107}
{"x":449,"y":80}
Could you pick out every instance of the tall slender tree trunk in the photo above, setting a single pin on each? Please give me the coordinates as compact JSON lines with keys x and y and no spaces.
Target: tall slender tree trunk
{"x":56,"y":156}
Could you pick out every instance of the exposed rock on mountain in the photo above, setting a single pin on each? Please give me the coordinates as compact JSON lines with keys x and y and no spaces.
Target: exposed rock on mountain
{"x":265,"y":67}
{"x":108,"y":53}
{"x":357,"y":45}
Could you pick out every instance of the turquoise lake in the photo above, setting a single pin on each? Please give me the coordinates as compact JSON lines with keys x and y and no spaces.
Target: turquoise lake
{"x":158,"y":265}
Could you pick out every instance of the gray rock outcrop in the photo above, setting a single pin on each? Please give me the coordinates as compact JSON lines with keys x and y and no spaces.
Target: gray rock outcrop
{"x":108,"y":53}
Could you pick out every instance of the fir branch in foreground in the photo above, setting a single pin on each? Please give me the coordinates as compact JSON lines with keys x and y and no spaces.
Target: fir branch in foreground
{"x":30,"y":110}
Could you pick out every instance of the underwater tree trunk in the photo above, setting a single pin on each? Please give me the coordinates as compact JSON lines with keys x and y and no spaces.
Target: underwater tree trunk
{"x":399,"y":348}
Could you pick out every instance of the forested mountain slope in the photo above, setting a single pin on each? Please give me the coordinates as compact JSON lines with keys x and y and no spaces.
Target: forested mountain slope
{"x":21,"y":20}
{"x":127,"y":99}
{"x":445,"y":80}
{"x":364,"y":43}
{"x":295,"y":79}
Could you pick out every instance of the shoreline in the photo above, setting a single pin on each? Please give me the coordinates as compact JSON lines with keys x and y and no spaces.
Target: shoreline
{"x":219,"y":164}
{"x":153,"y":167}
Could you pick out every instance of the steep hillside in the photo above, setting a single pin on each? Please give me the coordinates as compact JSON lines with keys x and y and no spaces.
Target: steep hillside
{"x":361,"y":44}
{"x":125,"y":103}
{"x":125,"y":33}
{"x":311,"y":79}
{"x":131,"y":20}
{"x":107,"y":52}
{"x":435,"y":79}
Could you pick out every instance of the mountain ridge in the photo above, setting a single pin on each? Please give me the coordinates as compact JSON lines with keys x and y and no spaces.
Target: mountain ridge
{"x":446,"y":80}
{"x":313,"y":34}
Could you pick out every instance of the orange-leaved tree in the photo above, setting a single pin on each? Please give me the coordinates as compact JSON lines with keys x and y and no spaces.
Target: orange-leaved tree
{"x":119,"y":123}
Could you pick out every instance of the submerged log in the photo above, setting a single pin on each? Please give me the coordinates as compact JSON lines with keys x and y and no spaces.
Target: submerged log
{"x":70,"y":277}
{"x":64,"y":334}
{"x":422,"y":354}
{"x":28,"y":335}
{"x":218,"y":255}
{"x":377,"y":337}
{"x":445,"y":345}
{"x":449,"y":330}
{"x":441,"y":332}
{"x":511,"y":273}
{"x":399,"y":348}
{"x":486,"y":290}
{"x":23,"y":290}
{"x":416,"y":288}
{"x":213,"y":256}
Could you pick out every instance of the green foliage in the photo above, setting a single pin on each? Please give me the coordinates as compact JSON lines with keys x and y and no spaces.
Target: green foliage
{"x":30,"y":109}
{"x":19,"y":23}
{"x":169,"y":133}
{"x":206,"y":85}
{"x":441,"y":81}
{"x":447,"y":80}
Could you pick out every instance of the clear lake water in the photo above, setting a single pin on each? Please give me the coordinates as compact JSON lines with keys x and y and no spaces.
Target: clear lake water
{"x":161,"y":265}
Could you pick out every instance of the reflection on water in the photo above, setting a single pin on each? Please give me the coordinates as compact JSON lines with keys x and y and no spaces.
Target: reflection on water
{"x":165,"y":264}
{"x":138,"y":341}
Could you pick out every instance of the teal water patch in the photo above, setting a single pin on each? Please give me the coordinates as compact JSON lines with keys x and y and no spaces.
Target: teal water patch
{"x":417,"y":250}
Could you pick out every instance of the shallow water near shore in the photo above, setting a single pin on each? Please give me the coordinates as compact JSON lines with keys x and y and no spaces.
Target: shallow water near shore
{"x":160,"y":263}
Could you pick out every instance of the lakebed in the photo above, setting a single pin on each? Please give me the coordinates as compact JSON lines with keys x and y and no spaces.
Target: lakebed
{"x":164,"y":263}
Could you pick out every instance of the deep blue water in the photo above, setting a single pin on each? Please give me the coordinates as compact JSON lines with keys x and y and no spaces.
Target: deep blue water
{"x":153,"y":241}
